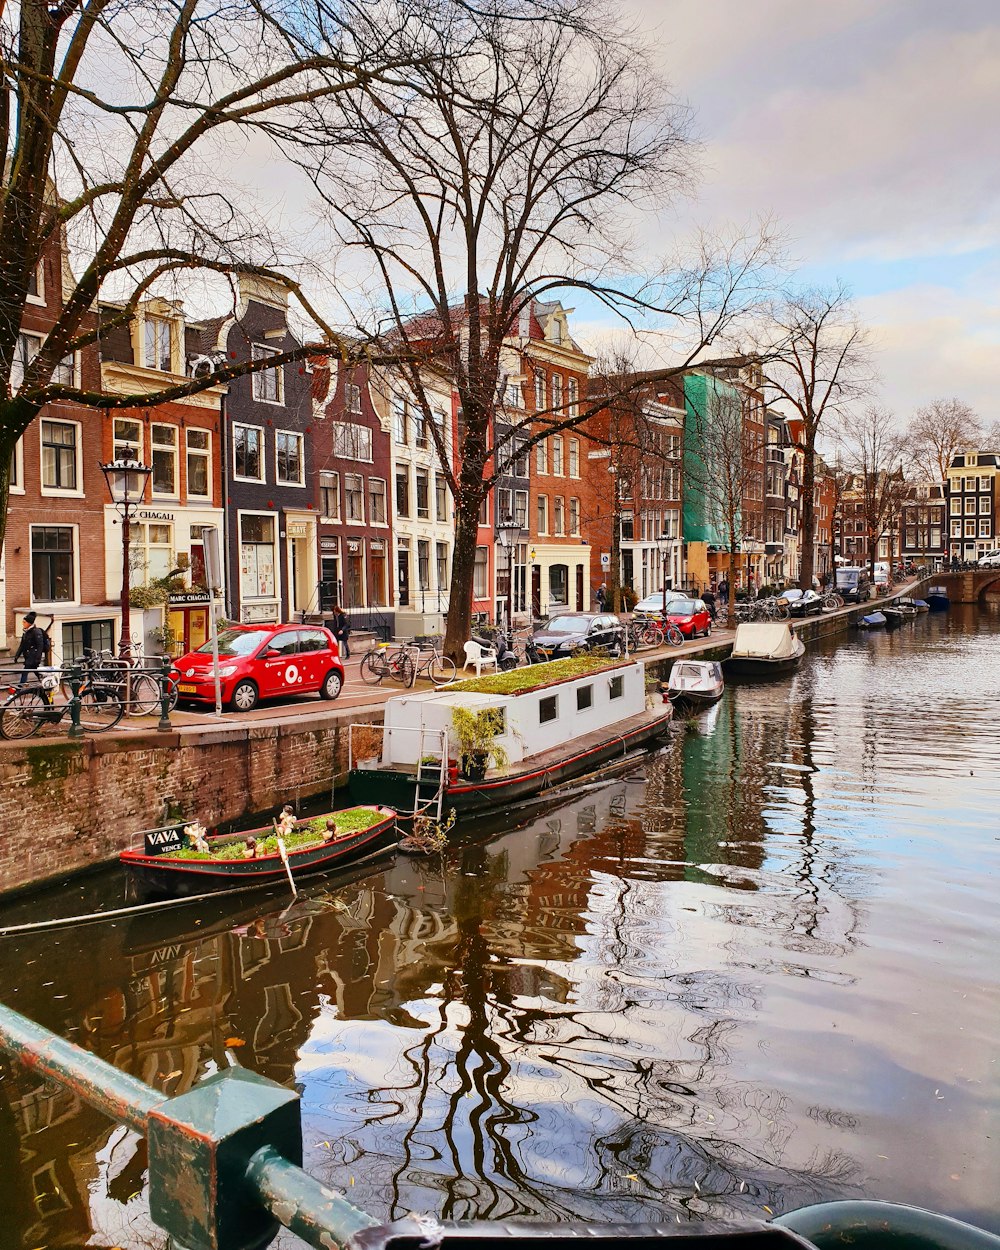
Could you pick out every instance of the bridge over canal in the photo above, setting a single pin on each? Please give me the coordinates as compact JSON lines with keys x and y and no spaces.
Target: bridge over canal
{"x":967,"y":585}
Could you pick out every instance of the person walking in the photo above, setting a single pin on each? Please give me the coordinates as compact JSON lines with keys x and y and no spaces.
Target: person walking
{"x":724,"y":592}
{"x":601,"y":597}
{"x":708,"y":598}
{"x":341,"y":627}
{"x":33,"y":648}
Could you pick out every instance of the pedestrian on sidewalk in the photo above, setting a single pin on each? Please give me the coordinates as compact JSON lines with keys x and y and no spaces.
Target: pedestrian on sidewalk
{"x":341,"y":627}
{"x":33,"y":648}
{"x":601,"y":597}
{"x":724,"y":592}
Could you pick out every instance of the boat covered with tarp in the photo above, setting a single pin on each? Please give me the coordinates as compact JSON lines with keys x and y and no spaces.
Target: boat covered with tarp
{"x":765,"y":650}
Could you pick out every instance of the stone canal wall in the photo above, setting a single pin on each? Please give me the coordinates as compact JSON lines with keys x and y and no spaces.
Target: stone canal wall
{"x":66,"y":805}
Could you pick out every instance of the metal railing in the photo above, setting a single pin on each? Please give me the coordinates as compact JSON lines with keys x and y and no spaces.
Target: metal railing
{"x":143,"y":689}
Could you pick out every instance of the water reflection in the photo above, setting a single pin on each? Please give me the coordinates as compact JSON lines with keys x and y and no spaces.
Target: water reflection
{"x":757,"y":973}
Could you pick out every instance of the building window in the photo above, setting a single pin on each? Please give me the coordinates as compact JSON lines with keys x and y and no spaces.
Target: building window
{"x":574,"y":516}
{"x":984,"y":483}
{"x":484,"y":510}
{"x":584,"y":698}
{"x":557,"y":455}
{"x":480,"y":573}
{"x":970,"y":529}
{"x":353,"y":397}
{"x":267,"y":383}
{"x":247,"y":461}
{"x":512,"y":395}
{"x":156,"y":344}
{"x":539,"y":390}
{"x":65,"y":371}
{"x":573,"y":396}
{"x":556,"y":392}
{"x":199,"y":451}
{"x":559,"y":585}
{"x":424,"y":563}
{"x":352,"y":442}
{"x":59,"y":455}
{"x":420,"y":428}
{"x":52,"y":564}
{"x":36,"y":285}
{"x":956,"y":506}
{"x":541,"y":458}
{"x":628,"y":527}
{"x":520,"y":466}
{"x":128,"y":445}
{"x":984,"y":527}
{"x":288,"y":457}
{"x":521,"y":507}
{"x":376,"y":501}
{"x":574,"y":457}
{"x":970,"y":504}
{"x":548,"y":709}
{"x":153,"y":547}
{"x":403,"y":492}
{"x":163,"y":439}
{"x":442,"y":565}
{"x":970,"y":483}
{"x":402,"y":424}
{"x":354,"y":497}
{"x":543,"y":514}
{"x":984,"y":503}
{"x":440,"y":497}
{"x":423,"y":494}
{"x":28,"y":346}
{"x":17,"y":468}
{"x":257,"y":557}
{"x":329,"y":495}
{"x":559,"y":516}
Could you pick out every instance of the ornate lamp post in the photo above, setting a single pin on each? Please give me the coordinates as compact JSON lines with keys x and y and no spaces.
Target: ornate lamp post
{"x":663,"y":546}
{"x":508,"y":531}
{"x":126,"y":478}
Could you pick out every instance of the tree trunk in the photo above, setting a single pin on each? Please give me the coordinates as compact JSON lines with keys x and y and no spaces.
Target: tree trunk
{"x":808,"y":509}
{"x":615,"y":598}
{"x":463,"y":565}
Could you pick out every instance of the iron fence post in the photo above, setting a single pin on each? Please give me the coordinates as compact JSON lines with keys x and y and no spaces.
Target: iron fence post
{"x":164,"y":721}
{"x":75,"y":682}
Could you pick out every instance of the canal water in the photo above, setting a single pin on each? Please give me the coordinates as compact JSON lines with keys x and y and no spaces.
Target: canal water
{"x":759,"y":972}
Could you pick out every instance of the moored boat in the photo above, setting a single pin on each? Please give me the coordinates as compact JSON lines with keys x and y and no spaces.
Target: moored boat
{"x":874,"y":620}
{"x":906,"y":606}
{"x":765,"y":651}
{"x":502,"y":738}
{"x":695,"y":682}
{"x":937,"y":599}
{"x":167,"y":866}
{"x":921,"y":605}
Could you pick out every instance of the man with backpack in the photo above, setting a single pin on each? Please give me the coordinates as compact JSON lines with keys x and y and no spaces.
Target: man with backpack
{"x":34,"y":647}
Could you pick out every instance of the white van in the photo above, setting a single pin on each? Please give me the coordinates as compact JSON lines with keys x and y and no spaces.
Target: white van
{"x":881,"y":577}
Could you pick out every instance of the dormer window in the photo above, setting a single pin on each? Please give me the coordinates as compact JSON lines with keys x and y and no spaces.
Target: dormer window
{"x":36,"y":286}
{"x":156,"y":344}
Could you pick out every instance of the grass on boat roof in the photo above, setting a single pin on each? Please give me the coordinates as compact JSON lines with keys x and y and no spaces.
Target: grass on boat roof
{"x":351,"y":820}
{"x":518,"y":680}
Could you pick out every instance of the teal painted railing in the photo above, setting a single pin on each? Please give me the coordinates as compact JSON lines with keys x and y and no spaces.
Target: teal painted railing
{"x":224,"y":1174}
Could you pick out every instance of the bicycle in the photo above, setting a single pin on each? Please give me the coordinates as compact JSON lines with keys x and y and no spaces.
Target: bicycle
{"x":30,"y":707}
{"x":137,"y":687}
{"x":436,"y":667}
{"x":381,"y":664}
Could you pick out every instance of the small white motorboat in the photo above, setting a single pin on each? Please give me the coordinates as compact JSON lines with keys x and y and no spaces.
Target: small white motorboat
{"x":695,"y":682}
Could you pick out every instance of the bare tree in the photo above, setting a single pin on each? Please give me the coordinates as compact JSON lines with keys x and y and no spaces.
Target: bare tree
{"x":819,"y":362}
{"x":114,"y":120}
{"x":874,"y":451}
{"x":939,"y":430}
{"x":506,"y":175}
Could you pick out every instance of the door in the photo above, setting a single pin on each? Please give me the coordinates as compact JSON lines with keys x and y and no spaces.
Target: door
{"x":277,"y":667}
{"x":579,"y":588}
{"x":403,"y":562}
{"x":628,"y":568}
{"x":330,"y":584}
{"x":313,"y":658}
{"x":536,"y":590}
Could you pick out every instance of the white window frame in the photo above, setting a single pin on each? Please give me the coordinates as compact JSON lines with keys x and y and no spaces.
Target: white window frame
{"x":62,"y":492}
{"x":24,"y":354}
{"x":574,"y":516}
{"x":17,"y":468}
{"x":480,"y":589}
{"x":38,"y":299}
{"x":155,"y":447}
{"x":275,"y":548}
{"x":261,"y":458}
{"x":539,"y":391}
{"x":328,"y":485}
{"x":956,"y":528}
{"x":956,"y":506}
{"x":573,"y":396}
{"x":970,"y":505}
{"x":152,"y":319}
{"x":559,"y":516}
{"x":984,"y":505}
{"x":573,"y":466}
{"x":282,"y":481}
{"x":347,"y":443}
{"x":378,"y":481}
{"x":199,"y":453}
{"x":542,"y":457}
{"x":542,"y":513}
{"x":259,"y":351}
{"x":360,"y":479}
{"x":558,"y":464}
{"x":352,"y":398}
{"x":984,"y":527}
{"x":984,"y":483}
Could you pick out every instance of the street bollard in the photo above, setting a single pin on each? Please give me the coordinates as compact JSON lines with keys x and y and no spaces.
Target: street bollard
{"x":164,"y":721}
{"x":75,"y":682}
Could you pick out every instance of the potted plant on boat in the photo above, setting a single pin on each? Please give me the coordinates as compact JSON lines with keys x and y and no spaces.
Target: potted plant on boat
{"x":476,"y":737}
{"x":367,"y":744}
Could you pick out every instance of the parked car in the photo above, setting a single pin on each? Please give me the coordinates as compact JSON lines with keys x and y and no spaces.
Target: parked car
{"x":691,"y":616}
{"x":261,"y":662}
{"x":801,"y":602}
{"x":991,"y":560}
{"x":572,"y":632}
{"x":652,"y":605}
{"x":853,"y":585}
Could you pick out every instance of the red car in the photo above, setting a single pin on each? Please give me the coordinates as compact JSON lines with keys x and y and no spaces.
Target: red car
{"x":262,"y":662}
{"x":691,"y":617}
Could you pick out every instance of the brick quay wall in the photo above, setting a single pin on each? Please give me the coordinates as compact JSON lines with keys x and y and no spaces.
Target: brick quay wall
{"x":68,"y":805}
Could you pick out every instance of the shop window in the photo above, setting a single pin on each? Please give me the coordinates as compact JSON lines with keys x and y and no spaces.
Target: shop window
{"x":257,"y":561}
{"x":266,"y":384}
{"x":60,"y":449}
{"x":355,"y":579}
{"x":289,"y":458}
{"x":199,"y":476}
{"x":163,"y":439}
{"x":81,"y":636}
{"x":247,"y":459}
{"x":52,"y":578}
{"x":559,"y":585}
{"x":151,"y":551}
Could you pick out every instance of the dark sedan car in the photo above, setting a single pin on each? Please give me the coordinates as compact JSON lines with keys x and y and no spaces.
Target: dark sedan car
{"x":691,"y":616}
{"x":572,"y":632}
{"x":801,"y":602}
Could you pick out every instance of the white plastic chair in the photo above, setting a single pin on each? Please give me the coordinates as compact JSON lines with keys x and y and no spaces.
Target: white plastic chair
{"x":479,"y":656}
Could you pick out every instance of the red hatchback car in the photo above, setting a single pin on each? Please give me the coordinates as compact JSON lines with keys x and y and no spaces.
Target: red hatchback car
{"x":691,"y":616}
{"x":262,"y":662}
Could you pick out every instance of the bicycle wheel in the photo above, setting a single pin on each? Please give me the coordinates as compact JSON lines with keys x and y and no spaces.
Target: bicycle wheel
{"x":441,"y":669}
{"x":373,"y":668}
{"x":145,"y":691}
{"x":406,"y":670}
{"x":653,"y":634}
{"x":100,"y":709}
{"x":22,"y":714}
{"x":674,"y":636}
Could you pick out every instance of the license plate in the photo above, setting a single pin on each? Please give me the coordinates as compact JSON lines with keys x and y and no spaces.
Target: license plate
{"x":187,"y":687}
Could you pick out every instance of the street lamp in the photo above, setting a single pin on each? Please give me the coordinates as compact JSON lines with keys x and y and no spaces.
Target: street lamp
{"x":747,"y":545}
{"x":126,"y":478}
{"x":508,"y":531}
{"x":663,"y":546}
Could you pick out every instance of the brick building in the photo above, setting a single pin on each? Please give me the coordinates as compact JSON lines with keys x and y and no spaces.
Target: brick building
{"x":972,"y":490}
{"x":924,"y":525}
{"x":53,"y":557}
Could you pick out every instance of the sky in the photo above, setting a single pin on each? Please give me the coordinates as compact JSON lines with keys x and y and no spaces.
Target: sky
{"x":871,"y":129}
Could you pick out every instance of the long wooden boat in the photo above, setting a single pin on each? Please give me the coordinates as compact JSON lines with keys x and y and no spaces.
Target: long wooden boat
{"x":554,"y":729}
{"x":157,"y":869}
{"x":765,"y":651}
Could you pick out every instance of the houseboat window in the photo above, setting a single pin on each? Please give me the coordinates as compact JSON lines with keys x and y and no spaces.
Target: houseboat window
{"x":548,"y":709}
{"x":584,"y":697}
{"x":617,"y":687}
